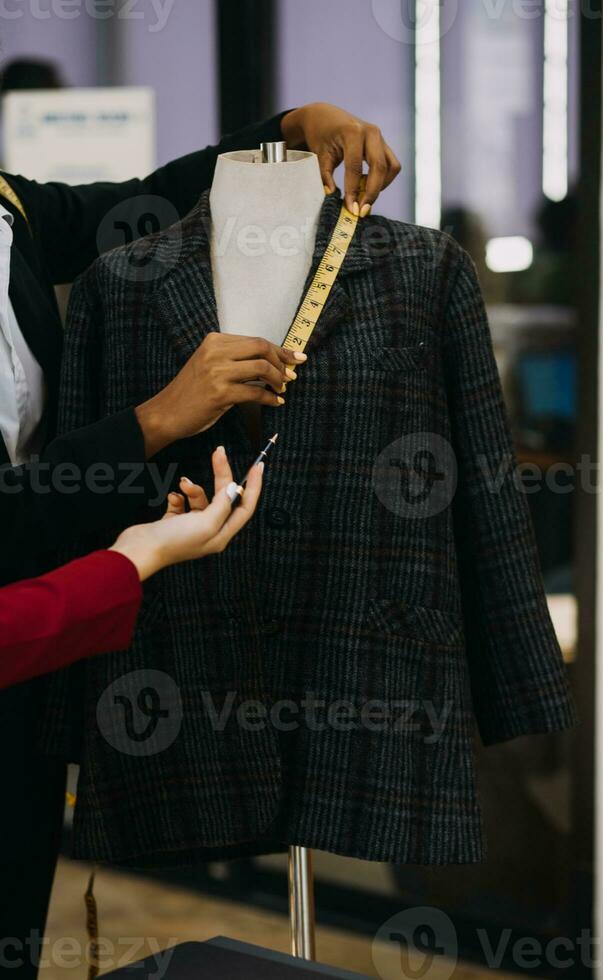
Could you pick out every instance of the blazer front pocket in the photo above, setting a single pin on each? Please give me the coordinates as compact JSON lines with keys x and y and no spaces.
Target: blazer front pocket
{"x":399,"y":359}
{"x":423,"y":624}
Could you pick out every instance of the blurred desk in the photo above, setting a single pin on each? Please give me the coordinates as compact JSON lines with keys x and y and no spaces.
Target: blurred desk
{"x":228,"y":959}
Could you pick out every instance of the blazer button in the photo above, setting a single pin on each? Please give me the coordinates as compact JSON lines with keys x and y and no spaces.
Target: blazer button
{"x":271,"y":627}
{"x":278,"y":518}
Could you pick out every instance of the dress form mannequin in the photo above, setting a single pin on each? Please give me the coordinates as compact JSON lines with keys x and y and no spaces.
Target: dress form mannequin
{"x":264,"y":221}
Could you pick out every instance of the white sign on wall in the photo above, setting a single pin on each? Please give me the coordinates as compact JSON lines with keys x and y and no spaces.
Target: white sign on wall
{"x":79,"y":135}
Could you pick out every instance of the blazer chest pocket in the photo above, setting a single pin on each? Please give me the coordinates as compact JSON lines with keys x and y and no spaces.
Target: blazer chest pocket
{"x":424,"y":624}
{"x":397,"y":360}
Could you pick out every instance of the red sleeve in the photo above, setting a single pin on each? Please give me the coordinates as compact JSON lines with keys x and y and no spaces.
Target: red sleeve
{"x":86,"y":607}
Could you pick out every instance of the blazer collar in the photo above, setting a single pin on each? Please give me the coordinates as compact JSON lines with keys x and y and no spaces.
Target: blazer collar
{"x":358,"y":258}
{"x":186,"y":302}
{"x":37,"y":316}
{"x":38,"y":321}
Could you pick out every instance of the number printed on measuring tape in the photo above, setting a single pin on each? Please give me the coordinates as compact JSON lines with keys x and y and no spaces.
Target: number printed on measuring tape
{"x":315,"y":299}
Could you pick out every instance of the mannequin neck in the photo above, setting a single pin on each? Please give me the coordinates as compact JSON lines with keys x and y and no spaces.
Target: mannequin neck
{"x":264,"y":219}
{"x":282,"y":201}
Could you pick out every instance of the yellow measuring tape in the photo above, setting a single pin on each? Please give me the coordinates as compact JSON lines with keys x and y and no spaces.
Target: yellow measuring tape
{"x":9,"y":194}
{"x":315,"y":299}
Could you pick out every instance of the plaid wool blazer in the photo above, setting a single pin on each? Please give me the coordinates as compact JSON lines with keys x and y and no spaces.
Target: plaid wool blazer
{"x":323,"y":677}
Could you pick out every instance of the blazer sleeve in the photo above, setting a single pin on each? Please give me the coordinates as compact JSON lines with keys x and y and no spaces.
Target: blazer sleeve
{"x":85,"y":608}
{"x":518,"y":679}
{"x":91,"y":478}
{"x":65,"y":220}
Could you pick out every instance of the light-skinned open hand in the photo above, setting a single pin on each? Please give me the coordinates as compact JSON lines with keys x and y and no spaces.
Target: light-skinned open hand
{"x":206,"y":528}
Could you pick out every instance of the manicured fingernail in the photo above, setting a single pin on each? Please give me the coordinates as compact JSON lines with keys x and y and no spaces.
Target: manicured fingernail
{"x":300,"y":357}
{"x":283,"y":387}
{"x":356,"y":208}
{"x":365,"y":210}
{"x":185,"y":479}
{"x":290,"y":374}
{"x":233,"y":491}
{"x":280,"y":401}
{"x":220,"y":449}
{"x":261,"y":466}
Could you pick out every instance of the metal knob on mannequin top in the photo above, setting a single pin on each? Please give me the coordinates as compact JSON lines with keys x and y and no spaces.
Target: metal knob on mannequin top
{"x":274,"y":152}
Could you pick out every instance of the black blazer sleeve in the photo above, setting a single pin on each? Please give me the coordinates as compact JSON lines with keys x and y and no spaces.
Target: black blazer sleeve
{"x":88,"y":479}
{"x":518,"y":679}
{"x":65,"y":220}
{"x":84,"y":482}
{"x":37,"y":512}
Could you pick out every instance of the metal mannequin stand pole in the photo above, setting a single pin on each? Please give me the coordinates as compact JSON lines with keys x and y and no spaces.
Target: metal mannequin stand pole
{"x":301,"y":881}
{"x":301,"y":903}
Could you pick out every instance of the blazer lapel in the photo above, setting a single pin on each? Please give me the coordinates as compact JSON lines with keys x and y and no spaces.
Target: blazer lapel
{"x":37,"y":317}
{"x":338,"y":308}
{"x":40,"y":325}
{"x":186,"y":303}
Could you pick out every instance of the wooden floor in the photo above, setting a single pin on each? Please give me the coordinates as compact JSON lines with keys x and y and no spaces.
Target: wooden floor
{"x":137,"y":917}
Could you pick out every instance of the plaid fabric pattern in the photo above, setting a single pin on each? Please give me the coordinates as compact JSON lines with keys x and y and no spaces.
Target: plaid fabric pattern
{"x":420,"y":620}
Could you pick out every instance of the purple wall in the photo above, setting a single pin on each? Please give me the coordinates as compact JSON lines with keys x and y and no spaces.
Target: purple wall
{"x":179,"y":62}
{"x":492,"y":117}
{"x":337,"y":51}
{"x":71,"y":43}
{"x":374,"y":79}
{"x":492,"y":111}
{"x":176,"y":58}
